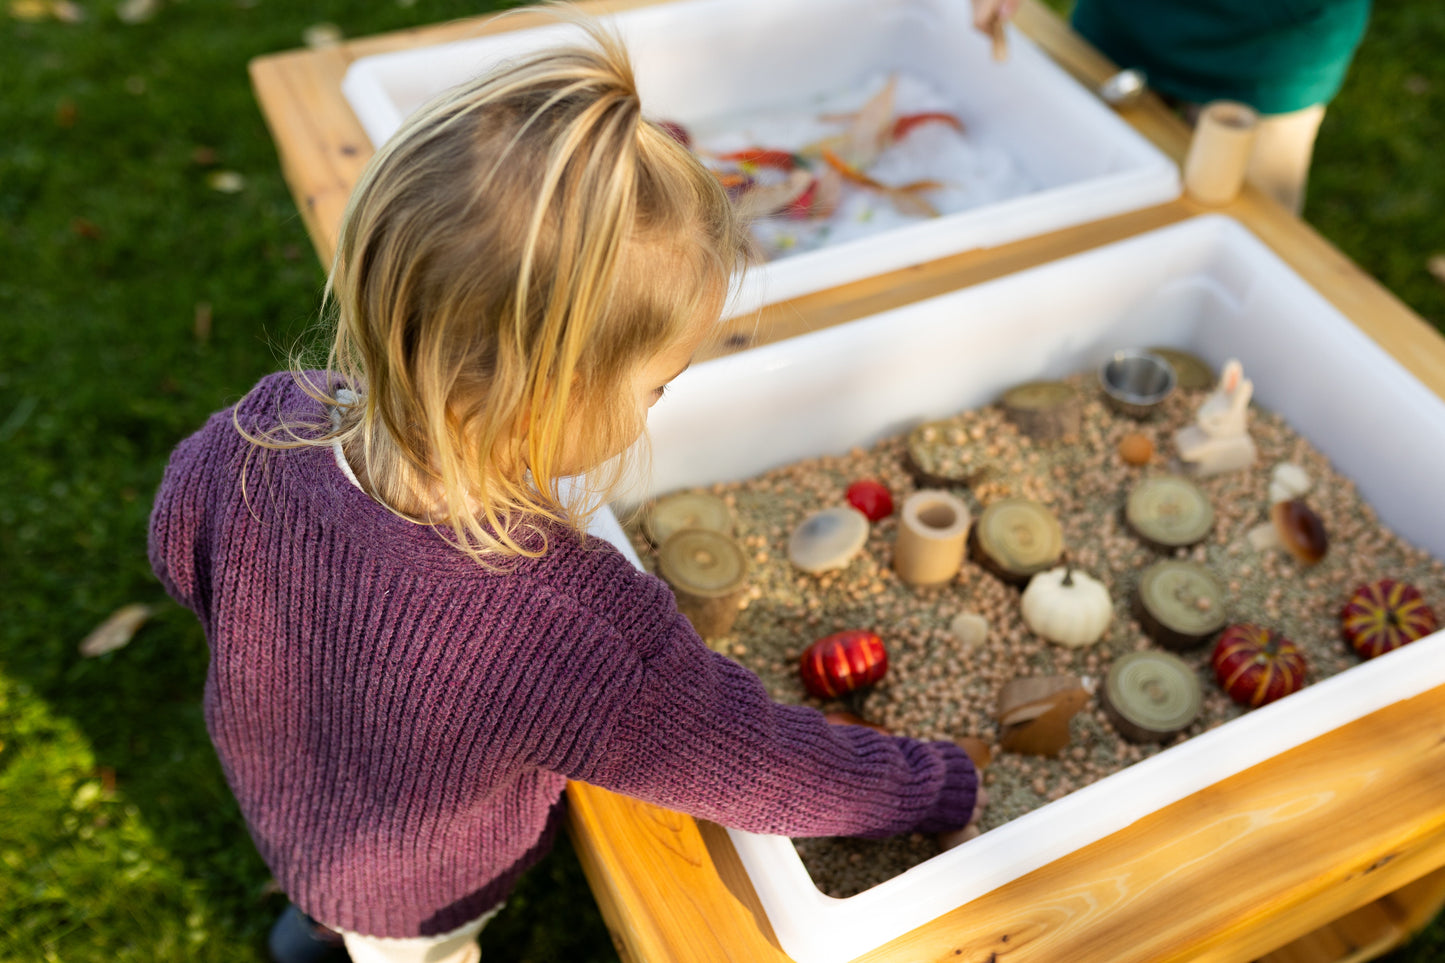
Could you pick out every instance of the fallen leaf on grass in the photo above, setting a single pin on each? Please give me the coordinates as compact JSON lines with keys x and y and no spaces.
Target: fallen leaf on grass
{"x":137,"y":11}
{"x":227,"y":182}
{"x":81,"y":227}
{"x":33,"y":11}
{"x":29,"y":10}
{"x":202,"y":325}
{"x":116,"y":631}
{"x":1436,"y":266}
{"x":322,"y":35}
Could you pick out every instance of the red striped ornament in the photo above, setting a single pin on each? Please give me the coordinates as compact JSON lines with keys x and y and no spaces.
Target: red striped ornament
{"x":1384,"y":615}
{"x":843,"y":662}
{"x":1256,"y":665}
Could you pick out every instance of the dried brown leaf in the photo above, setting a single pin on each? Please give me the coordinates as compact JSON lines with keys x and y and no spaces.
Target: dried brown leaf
{"x":137,"y":11}
{"x":322,"y":35}
{"x":868,"y":134}
{"x":227,"y":182}
{"x":764,"y":200}
{"x":1436,"y":267}
{"x":116,"y":631}
{"x":202,"y":323}
{"x":82,"y":227}
{"x":29,"y":11}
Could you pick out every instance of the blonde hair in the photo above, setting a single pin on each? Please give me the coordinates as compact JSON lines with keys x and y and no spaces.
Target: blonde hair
{"x":505,"y":263}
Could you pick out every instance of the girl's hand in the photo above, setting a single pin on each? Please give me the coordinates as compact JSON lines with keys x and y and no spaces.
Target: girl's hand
{"x":957,"y":837}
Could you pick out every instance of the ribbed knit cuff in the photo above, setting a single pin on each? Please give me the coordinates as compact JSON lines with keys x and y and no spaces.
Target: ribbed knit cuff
{"x":955,"y":800}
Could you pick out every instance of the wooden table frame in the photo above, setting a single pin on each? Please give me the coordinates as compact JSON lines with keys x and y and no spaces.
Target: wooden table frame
{"x":1332,"y":851}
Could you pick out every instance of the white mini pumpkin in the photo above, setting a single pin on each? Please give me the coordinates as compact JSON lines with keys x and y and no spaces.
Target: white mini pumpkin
{"x":1068,"y":607}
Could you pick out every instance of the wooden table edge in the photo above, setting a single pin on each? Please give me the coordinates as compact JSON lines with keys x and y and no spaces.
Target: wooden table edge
{"x":322,"y":148}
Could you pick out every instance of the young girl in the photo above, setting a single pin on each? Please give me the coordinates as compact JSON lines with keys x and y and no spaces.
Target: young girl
{"x":414,"y":644}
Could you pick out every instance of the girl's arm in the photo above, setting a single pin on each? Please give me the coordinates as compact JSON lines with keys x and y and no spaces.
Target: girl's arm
{"x":696,"y":732}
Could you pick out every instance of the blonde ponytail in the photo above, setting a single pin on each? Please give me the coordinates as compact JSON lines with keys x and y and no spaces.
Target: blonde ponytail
{"x":506,"y":261}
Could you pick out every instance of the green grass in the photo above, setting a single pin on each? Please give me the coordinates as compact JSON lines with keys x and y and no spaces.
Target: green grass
{"x":118,"y":838}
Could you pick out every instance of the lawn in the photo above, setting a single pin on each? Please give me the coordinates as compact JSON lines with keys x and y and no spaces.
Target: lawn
{"x":152,"y":266}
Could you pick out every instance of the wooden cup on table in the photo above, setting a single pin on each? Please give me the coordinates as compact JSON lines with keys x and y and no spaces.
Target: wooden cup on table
{"x":1219,"y":151}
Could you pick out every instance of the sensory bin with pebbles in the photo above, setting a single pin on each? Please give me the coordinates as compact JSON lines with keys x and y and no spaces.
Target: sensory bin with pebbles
{"x":944,"y":676}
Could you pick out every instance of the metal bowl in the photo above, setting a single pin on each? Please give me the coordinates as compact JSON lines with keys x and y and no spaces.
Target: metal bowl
{"x":1124,"y":88}
{"x":1136,"y":382}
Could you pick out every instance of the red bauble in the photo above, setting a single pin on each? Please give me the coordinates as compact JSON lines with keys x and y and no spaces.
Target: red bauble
{"x":871,"y":498}
{"x":1256,"y":665}
{"x":1385,"y":615}
{"x":843,"y":662}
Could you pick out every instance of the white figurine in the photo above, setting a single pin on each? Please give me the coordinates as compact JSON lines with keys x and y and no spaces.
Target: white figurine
{"x":1219,"y":441}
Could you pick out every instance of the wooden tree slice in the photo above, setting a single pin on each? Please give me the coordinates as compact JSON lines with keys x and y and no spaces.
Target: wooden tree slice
{"x":936,"y":455}
{"x":1150,"y":696}
{"x":1189,"y":370}
{"x":1181,"y":605}
{"x":1016,"y":538}
{"x":1043,"y":410}
{"x":1169,"y":511}
{"x":708,"y":574}
{"x":694,"y":509}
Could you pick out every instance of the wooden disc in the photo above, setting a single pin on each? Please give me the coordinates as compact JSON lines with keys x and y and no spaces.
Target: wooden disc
{"x":1150,"y":696}
{"x":1016,"y":538}
{"x":939,"y":454}
{"x":1043,"y":410}
{"x":1181,"y":604}
{"x":702,"y":562}
{"x":694,"y":509}
{"x":707,"y":572}
{"x":1169,"y":511}
{"x":1190,"y":371}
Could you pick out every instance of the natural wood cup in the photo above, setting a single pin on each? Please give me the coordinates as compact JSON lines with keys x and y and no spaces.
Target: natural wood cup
{"x":1219,"y":151}
{"x":932,"y":537}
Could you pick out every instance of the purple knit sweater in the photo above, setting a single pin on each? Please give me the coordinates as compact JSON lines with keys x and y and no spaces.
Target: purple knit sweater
{"x":398,"y":724}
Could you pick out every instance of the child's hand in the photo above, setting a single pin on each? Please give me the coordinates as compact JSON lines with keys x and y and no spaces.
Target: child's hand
{"x":957,"y":837}
{"x":987,"y":13}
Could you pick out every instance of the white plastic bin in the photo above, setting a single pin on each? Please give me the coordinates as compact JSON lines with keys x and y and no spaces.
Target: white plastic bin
{"x":1205,"y":285}
{"x":712,"y":62}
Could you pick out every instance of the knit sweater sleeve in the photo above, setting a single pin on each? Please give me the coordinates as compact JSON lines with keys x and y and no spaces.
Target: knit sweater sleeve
{"x":696,"y":732}
{"x":177,"y":536}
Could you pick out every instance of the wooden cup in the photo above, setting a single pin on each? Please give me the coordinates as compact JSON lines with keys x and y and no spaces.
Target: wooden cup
{"x":1219,"y":151}
{"x":932,"y":537}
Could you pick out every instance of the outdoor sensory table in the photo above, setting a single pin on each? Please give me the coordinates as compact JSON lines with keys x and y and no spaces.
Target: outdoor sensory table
{"x":1330,"y":852}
